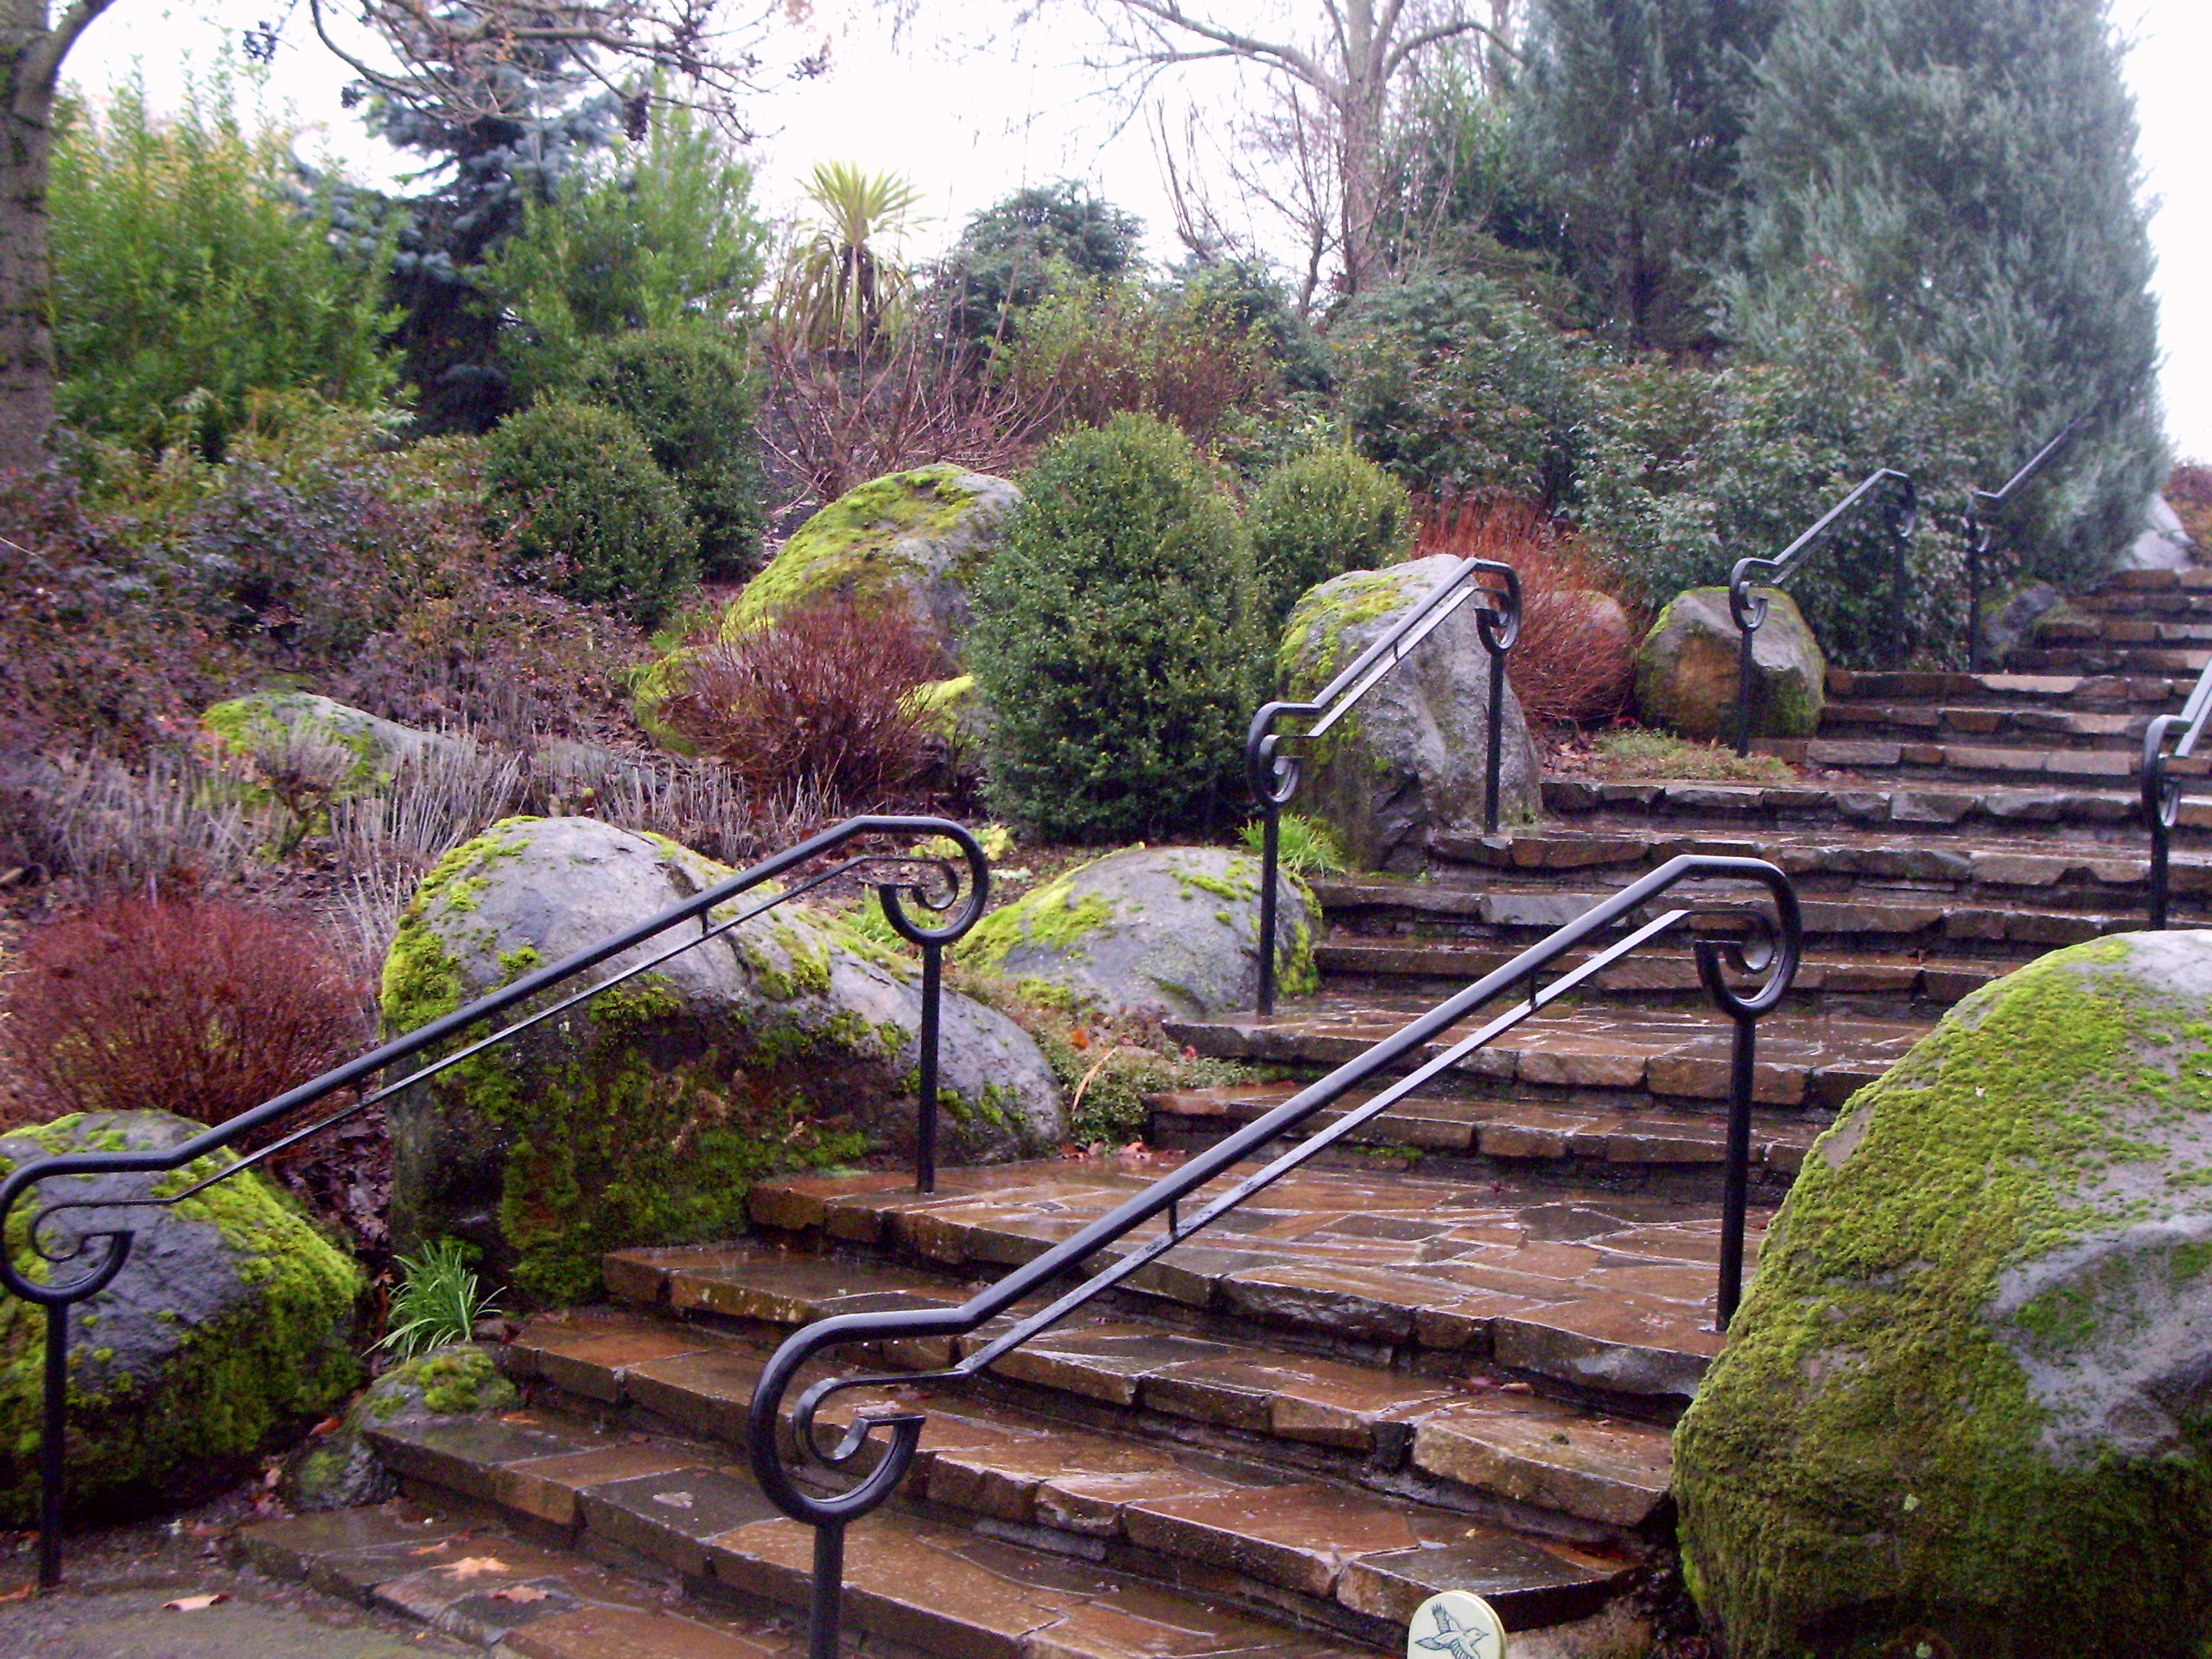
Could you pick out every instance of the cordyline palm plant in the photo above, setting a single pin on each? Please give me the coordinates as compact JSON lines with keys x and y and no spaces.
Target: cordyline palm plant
{"x":839,"y":289}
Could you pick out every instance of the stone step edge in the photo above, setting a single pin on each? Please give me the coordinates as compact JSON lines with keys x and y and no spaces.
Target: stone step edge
{"x":674,"y":1510}
{"x":1485,"y":1451}
{"x":1547,"y":1343}
{"x":1695,"y":1071}
{"x":1869,"y":802}
{"x":1518,"y":1131}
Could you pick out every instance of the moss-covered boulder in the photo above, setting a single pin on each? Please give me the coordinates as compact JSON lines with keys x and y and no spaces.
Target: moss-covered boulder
{"x":1686,"y":669}
{"x":643,"y":1118}
{"x":229,"y":1330}
{"x":342,"y":1470}
{"x":922,"y":534}
{"x":343,"y":750}
{"x":1410,"y":758}
{"x":1966,"y":1408}
{"x":1152,"y":931}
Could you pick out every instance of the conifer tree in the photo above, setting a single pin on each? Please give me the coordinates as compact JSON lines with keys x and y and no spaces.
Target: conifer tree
{"x":1633,"y":110}
{"x":1960,"y":176}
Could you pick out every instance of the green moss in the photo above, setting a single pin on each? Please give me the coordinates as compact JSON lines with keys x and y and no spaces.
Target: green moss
{"x":236,"y":1385}
{"x":1052,"y":916}
{"x":456,"y":1382}
{"x":1917,"y":1473}
{"x":849,"y":546}
{"x":1313,"y":639}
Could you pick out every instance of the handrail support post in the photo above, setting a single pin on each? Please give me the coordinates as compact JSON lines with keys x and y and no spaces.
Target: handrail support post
{"x":1744,"y":684}
{"x":1271,"y":852}
{"x":1493,"y":764}
{"x":925,"y":1119}
{"x":1735,"y":1194}
{"x":53,"y":1446}
{"x":825,"y":1605}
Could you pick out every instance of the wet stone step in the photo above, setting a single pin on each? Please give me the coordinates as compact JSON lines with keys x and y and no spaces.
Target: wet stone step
{"x":1866,"y":724}
{"x":1595,"y":1294}
{"x":2074,"y":691}
{"x":1803,"y":1059}
{"x":482,"y":1584}
{"x":938,"y":1585}
{"x":1509,"y":1130}
{"x":2173,"y":661}
{"x":1574,"y":1472}
{"x":1868,"y":803}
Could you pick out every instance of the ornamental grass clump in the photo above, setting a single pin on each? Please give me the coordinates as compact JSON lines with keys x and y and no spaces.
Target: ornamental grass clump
{"x":186,"y":1006}
{"x":438,"y":1302}
{"x":1115,"y":641}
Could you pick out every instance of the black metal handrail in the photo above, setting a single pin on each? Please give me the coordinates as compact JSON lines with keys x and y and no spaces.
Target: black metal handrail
{"x":2161,"y":792}
{"x":1983,"y":508}
{"x":1749,"y":608}
{"x":1273,"y":772}
{"x":57,"y":1297}
{"x":1774,"y":952}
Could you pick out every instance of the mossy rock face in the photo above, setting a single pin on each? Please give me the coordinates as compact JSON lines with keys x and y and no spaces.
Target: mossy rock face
{"x":1686,"y":669}
{"x":341,"y":1470}
{"x":229,"y":1328}
{"x":262,"y":727}
{"x":923,"y":534}
{"x":1967,"y":1406}
{"x":1410,"y":758}
{"x":644,"y":1116}
{"x":1158,"y":931}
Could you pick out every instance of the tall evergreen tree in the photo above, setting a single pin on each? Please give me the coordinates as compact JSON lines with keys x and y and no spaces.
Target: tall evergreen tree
{"x":1961,"y":175}
{"x":1634,"y":110}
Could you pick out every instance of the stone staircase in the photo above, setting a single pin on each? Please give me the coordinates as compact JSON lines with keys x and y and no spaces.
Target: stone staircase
{"x":1448,"y":1354}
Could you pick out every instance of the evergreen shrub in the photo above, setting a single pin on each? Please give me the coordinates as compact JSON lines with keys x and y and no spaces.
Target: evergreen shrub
{"x":1115,"y":640}
{"x":695,"y":403}
{"x":593,"y":516}
{"x":1321,"y":515}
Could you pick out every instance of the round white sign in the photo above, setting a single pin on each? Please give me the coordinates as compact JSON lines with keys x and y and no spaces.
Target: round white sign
{"x":1455,"y":1626}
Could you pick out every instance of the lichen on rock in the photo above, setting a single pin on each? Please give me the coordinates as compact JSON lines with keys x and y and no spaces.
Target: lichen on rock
{"x":229,"y":1327}
{"x":1686,"y":669}
{"x":1153,"y":931}
{"x":1412,"y":758}
{"x":645,"y":1116}
{"x":1965,"y":1402}
{"x":272,"y":728}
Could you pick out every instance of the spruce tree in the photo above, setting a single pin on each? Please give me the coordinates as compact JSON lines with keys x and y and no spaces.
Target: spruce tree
{"x":1961,"y":177}
{"x":1632,"y":110}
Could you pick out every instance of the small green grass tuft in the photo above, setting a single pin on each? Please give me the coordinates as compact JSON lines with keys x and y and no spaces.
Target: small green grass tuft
{"x":438,"y":1303}
{"x":1306,"y":846}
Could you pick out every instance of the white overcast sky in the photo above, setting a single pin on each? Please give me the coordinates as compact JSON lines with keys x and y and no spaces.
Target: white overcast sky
{"x":968,"y":124}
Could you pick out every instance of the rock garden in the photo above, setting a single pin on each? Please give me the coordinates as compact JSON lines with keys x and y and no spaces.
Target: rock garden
{"x":551,"y":547}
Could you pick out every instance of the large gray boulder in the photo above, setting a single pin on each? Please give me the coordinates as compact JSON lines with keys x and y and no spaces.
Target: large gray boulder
{"x":229,"y":1327}
{"x":643,"y":1118}
{"x":1154,"y":932}
{"x":348,"y":749}
{"x":1967,"y":1406}
{"x":1410,"y":759}
{"x":1686,"y":669}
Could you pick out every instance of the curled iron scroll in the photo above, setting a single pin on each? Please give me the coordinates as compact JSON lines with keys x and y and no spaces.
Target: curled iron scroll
{"x":115,"y":1243}
{"x":977,"y":888}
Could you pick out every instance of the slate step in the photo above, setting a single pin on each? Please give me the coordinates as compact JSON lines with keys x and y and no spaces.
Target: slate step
{"x":447,"y":1565}
{"x":2150,"y":693}
{"x":2013,"y":763}
{"x":1602,"y":1297}
{"x":1968,"y":723}
{"x":1679,"y":1055}
{"x":2176,"y":661}
{"x":1828,"y":861}
{"x":1935,"y":808}
{"x":1679,"y":1153}
{"x":1007,"y":1539}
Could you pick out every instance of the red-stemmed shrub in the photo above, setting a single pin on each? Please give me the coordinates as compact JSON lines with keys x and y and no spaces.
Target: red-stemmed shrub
{"x":819,"y":701}
{"x":1574,"y":660}
{"x":193,"y":1006}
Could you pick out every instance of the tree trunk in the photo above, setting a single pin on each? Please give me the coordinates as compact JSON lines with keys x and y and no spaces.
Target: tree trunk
{"x":1363,"y":106}
{"x":27,"y":338}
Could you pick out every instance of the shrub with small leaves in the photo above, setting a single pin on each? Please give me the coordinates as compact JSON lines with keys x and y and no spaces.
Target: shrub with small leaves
{"x":1318,"y":516}
{"x":1115,"y":640}
{"x":696,"y":405}
{"x":592,"y":516}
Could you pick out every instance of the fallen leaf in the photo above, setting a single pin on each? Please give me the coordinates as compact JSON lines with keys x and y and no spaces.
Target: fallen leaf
{"x":193,"y":1603}
{"x":431,"y":1549}
{"x":1079,"y":1038}
{"x":475,"y":1567}
{"x":206,"y":1529}
{"x":675,"y":1500}
{"x":328,"y":1425}
{"x":20,"y":1593}
{"x":524,"y":1593}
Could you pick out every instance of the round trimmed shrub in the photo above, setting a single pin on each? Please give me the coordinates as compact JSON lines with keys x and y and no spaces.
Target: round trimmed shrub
{"x":1115,"y":640}
{"x":594,"y":517}
{"x":1321,"y":515}
{"x":693,"y":401}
